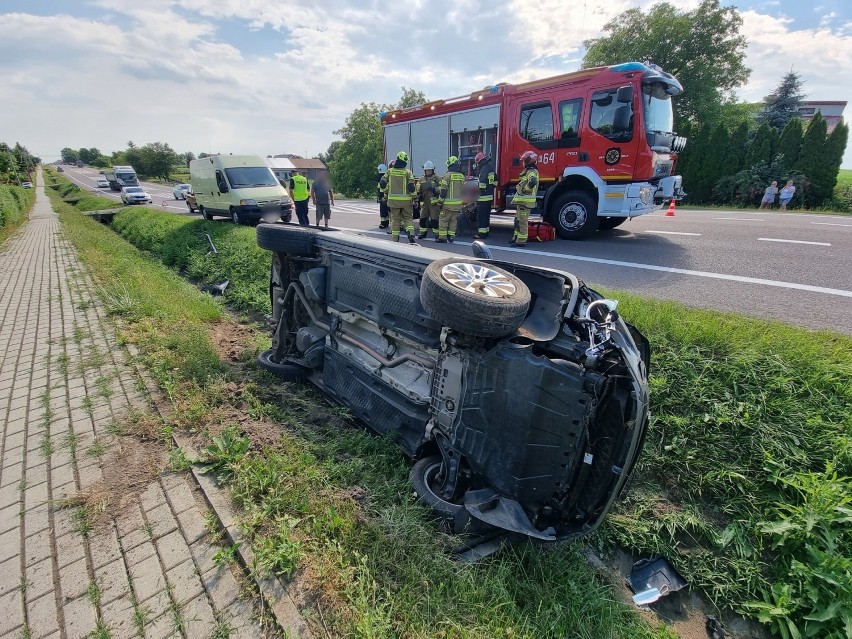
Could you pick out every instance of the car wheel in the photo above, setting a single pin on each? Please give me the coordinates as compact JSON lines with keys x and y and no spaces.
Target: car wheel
{"x":608,"y":223}
{"x":235,"y":216}
{"x":285,"y":371}
{"x":176,"y":197}
{"x":207,"y":215}
{"x":423,"y":477}
{"x":575,"y":215}
{"x":293,"y":240}
{"x":474,"y":298}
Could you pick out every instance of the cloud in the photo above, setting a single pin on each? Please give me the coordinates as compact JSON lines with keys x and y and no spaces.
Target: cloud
{"x":255,"y":76}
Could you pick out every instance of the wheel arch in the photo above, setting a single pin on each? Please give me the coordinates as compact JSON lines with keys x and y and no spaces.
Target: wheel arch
{"x":580,"y":179}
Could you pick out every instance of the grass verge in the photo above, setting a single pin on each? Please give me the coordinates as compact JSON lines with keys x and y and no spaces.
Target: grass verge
{"x":327,"y":503}
{"x":15,"y":203}
{"x":744,"y":483}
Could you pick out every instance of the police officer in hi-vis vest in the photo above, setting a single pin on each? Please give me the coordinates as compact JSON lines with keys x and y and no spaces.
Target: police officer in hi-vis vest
{"x":487,"y":181}
{"x":525,"y":198}
{"x":427,"y":192}
{"x":398,"y":187}
{"x":451,"y":200}
{"x":300,"y":194}
{"x":384,"y":214}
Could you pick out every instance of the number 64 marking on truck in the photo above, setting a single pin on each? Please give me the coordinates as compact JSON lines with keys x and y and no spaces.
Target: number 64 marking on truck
{"x":547,"y":158}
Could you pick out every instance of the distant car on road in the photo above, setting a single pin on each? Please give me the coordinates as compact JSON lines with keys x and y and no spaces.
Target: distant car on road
{"x":103,"y":183}
{"x":27,"y":185}
{"x":101,"y":172}
{"x":181,"y":190}
{"x":135,"y":195}
{"x":59,"y":169}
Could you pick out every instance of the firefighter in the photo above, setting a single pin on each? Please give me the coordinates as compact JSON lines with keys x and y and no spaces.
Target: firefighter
{"x":487,"y":181}
{"x":525,"y":197}
{"x":398,"y":187}
{"x":451,"y":200}
{"x":427,"y":193}
{"x":384,"y":215}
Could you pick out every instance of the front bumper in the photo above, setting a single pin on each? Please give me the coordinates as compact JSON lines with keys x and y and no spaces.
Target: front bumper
{"x":255,"y":213}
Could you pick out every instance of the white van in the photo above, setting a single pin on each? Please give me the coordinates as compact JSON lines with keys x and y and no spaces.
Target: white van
{"x":239,"y":186}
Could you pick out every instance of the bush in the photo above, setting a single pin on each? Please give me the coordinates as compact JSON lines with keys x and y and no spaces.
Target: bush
{"x":746,"y":187}
{"x":14,"y":204}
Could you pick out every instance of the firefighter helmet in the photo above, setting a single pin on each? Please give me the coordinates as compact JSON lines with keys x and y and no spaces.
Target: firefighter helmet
{"x":382,"y":168}
{"x":428,"y":166}
{"x":529,"y":157}
{"x":452,"y":160}
{"x":479,"y":157}
{"x":402,"y":155}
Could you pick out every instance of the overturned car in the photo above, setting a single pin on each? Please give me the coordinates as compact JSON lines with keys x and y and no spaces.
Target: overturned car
{"x":521,"y":393}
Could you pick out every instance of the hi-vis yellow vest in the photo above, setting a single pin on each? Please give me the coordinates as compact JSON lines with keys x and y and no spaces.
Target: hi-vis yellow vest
{"x":453,"y":182}
{"x":300,"y":188}
{"x":398,"y":180}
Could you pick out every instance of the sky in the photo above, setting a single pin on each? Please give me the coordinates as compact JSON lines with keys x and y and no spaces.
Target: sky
{"x":254,"y":76}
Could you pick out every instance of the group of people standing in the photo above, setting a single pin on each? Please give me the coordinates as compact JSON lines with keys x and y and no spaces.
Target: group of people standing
{"x":441,"y":198}
{"x":785,"y":195}
{"x":320,"y":193}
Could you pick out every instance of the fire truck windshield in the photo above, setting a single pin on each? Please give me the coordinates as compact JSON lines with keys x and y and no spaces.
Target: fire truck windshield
{"x":657,"y":105}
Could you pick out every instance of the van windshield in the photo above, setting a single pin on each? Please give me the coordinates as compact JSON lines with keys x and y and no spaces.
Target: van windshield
{"x":248,"y":176}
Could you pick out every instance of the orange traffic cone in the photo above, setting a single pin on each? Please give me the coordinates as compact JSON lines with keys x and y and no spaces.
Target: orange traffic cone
{"x":670,"y":212}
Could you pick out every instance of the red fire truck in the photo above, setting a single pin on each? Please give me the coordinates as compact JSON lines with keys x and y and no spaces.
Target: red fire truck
{"x":604,"y":137}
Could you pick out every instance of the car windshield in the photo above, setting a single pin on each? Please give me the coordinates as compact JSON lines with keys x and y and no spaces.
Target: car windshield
{"x":657,"y":106}
{"x":183,"y":187}
{"x":246,"y":176}
{"x":134,"y":190}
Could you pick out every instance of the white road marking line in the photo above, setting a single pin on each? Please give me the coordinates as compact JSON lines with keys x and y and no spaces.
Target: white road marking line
{"x":744,"y":219}
{"x":671,"y":233}
{"x":650,"y":267}
{"x":830,"y":224}
{"x":772,"y":239}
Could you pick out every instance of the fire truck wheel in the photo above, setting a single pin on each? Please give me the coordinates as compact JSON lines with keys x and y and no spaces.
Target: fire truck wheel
{"x":608,"y":223}
{"x":474,"y":298}
{"x":575,"y":215}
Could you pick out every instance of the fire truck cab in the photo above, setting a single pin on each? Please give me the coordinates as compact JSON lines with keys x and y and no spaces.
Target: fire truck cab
{"x":604,"y":136}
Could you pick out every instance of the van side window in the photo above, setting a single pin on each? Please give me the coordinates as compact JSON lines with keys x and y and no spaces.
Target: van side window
{"x":537,"y":122}
{"x":569,"y":115}
{"x":604,"y":114}
{"x":220,"y":181}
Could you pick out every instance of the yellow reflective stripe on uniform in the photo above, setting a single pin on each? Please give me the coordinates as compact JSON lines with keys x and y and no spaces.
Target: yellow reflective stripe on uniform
{"x":454,"y":188}
{"x":398,"y":185}
{"x":526,"y":194}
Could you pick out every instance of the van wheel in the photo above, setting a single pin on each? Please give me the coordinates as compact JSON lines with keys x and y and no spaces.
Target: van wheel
{"x":608,"y":223}
{"x":235,"y":216}
{"x":292,"y":240}
{"x":474,"y":298}
{"x":574,"y":215}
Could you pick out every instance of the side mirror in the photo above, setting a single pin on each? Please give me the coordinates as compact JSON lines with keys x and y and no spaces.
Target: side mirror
{"x":621,"y":119}
{"x":624,"y":95}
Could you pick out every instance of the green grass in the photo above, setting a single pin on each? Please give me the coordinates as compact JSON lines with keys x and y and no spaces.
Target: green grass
{"x":15,"y":203}
{"x":744,"y":482}
{"x":844,"y":176}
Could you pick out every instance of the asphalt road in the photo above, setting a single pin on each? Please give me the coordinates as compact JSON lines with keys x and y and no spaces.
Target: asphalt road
{"x":796,"y":268}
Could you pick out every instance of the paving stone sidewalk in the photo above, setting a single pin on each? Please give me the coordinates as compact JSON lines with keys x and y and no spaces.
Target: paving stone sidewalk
{"x":145,"y":567}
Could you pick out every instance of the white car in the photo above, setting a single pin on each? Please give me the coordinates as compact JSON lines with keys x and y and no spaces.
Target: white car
{"x":103,"y":183}
{"x":181,"y":190}
{"x":27,"y":185}
{"x":135,"y":195}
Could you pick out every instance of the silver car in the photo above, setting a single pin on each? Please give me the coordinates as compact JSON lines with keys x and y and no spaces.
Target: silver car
{"x":135,"y":195}
{"x":181,"y":190}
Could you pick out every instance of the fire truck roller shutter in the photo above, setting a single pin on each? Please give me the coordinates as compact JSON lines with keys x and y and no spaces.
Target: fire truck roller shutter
{"x":397,"y":138}
{"x":475,"y":130}
{"x":430,"y":141}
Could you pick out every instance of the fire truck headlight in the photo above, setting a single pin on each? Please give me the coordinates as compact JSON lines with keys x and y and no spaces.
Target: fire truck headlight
{"x":646,"y":194}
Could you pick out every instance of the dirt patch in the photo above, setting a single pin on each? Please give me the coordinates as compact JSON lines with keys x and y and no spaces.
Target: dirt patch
{"x":231,"y":340}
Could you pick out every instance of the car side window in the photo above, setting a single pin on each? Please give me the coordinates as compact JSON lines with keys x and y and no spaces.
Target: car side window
{"x":604,"y":116}
{"x":220,"y":181}
{"x":537,"y":122}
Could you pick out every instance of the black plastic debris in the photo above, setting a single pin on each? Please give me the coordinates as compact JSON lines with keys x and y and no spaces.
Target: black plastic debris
{"x":651,"y":579}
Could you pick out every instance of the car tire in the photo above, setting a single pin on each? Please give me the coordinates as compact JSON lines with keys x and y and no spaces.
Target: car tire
{"x":292,"y":240}
{"x":235,"y":216}
{"x":609,"y":223}
{"x":207,"y":215}
{"x":453,"y":293}
{"x":421,"y":477}
{"x":292,"y":372}
{"x":574,"y":215}
{"x":176,"y":197}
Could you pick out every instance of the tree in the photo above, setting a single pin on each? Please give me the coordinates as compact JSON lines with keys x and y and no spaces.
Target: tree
{"x":790,"y":142}
{"x":354,"y":161}
{"x":732,"y":114}
{"x":702,"y":48}
{"x":69,"y":155}
{"x":835,"y":147}
{"x":130,"y":144}
{"x":187,"y":157}
{"x":783,"y":104}
{"x":693,"y":154}
{"x":203,"y":155}
{"x":158,"y":158}
{"x":713,"y":163}
{"x":738,"y":148}
{"x":328,"y":157}
{"x":813,"y":163}
{"x":760,"y":149}
{"x":84,"y":156}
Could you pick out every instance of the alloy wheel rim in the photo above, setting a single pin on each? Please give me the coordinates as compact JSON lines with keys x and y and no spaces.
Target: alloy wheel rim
{"x":477,"y":279}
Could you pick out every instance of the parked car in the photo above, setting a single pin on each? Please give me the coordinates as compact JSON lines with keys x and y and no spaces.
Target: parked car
{"x":134,"y":195}
{"x":103,"y":183}
{"x":192,"y":203}
{"x":26,"y":185}
{"x":180,"y":191}
{"x":519,"y":391}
